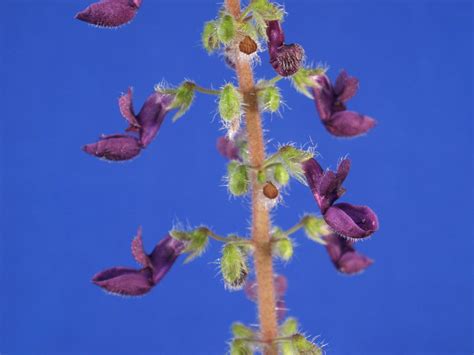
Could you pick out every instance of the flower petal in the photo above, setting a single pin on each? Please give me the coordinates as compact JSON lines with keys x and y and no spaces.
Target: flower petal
{"x":346,"y":86}
{"x":324,"y":96}
{"x":287,"y":59}
{"x":124,"y":281}
{"x":164,"y":255}
{"x":151,"y":116}
{"x":314,"y":174}
{"x":116,"y":147}
{"x":138,"y":251}
{"x":110,"y":13}
{"x":344,"y":256}
{"x":349,"y":124}
{"x":126,"y":109}
{"x":275,"y":34}
{"x":351,"y":221}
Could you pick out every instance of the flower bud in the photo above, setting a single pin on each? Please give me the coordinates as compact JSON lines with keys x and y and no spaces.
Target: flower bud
{"x":304,"y":346}
{"x":233,"y":266}
{"x":241,"y":331}
{"x":248,"y":45}
{"x":284,"y":248}
{"x":270,"y":191}
{"x":229,"y":103}
{"x":262,"y":176}
{"x":209,"y":38}
{"x":238,"y":179}
{"x":289,"y":327}
{"x":281,"y":175}
{"x":226,"y":29}
{"x":240,"y":347}
{"x":270,"y":98}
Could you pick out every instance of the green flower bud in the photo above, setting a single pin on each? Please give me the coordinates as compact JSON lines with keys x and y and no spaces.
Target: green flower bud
{"x":230,"y":102}
{"x":262,"y":176}
{"x":284,"y":248}
{"x":238,"y":180}
{"x":209,"y":36}
{"x":233,"y":266}
{"x":304,"y":346}
{"x":226,"y":29}
{"x":270,"y":98}
{"x":198,"y":240}
{"x":240,"y":347}
{"x":315,"y":228}
{"x":281,"y":174}
{"x":241,"y":331}
{"x":289,"y":327}
{"x":183,"y":99}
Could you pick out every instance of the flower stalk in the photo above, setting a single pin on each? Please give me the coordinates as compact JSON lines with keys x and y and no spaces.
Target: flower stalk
{"x":260,"y":215}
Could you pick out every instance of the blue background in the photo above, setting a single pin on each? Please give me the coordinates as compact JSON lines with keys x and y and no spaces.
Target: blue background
{"x":65,"y":215}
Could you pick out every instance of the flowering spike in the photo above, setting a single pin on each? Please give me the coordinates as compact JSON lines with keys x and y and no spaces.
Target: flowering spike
{"x":117,"y":147}
{"x":110,"y":13}
{"x":331,"y":104}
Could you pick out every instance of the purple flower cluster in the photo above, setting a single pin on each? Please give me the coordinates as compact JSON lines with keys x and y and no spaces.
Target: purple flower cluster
{"x":350,"y":221}
{"x":331,"y":104}
{"x":110,"y":13}
{"x":286,"y":59}
{"x":146,"y":124}
{"x":135,"y":282}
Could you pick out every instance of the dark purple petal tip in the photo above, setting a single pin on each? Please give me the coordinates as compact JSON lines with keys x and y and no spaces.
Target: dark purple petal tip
{"x":164,"y":255}
{"x":351,"y":221}
{"x":349,"y":124}
{"x":110,"y":13}
{"x":116,"y":147}
{"x":124,"y":281}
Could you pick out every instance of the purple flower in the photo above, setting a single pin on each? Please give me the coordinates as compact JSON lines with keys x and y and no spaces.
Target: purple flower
{"x":348,"y":220}
{"x":110,"y":13}
{"x":228,"y":148}
{"x":343,"y":255}
{"x":281,"y":285}
{"x":115,"y":147}
{"x":286,"y":59}
{"x":331,"y":104}
{"x":136,"y":282}
{"x":151,"y":116}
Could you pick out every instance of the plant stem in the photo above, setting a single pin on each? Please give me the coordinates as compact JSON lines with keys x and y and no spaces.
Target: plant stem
{"x":263,"y":260}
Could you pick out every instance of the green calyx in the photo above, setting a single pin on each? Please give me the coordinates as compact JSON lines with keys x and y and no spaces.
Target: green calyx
{"x":226,"y":28}
{"x":315,"y":228}
{"x":230,"y":101}
{"x":240,"y":330}
{"x":233,"y":266}
{"x":240,"y":347}
{"x":280,"y":174}
{"x":183,"y":98}
{"x":209,"y":38}
{"x":293,"y":158}
{"x":270,"y":98}
{"x":238,"y":178}
{"x":304,"y":79}
{"x":196,"y":241}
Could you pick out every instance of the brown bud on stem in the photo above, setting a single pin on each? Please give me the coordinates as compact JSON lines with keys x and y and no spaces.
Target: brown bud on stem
{"x":270,"y":191}
{"x":248,"y":45}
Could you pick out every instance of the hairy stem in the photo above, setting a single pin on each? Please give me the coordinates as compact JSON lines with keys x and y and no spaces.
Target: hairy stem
{"x":260,"y":215}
